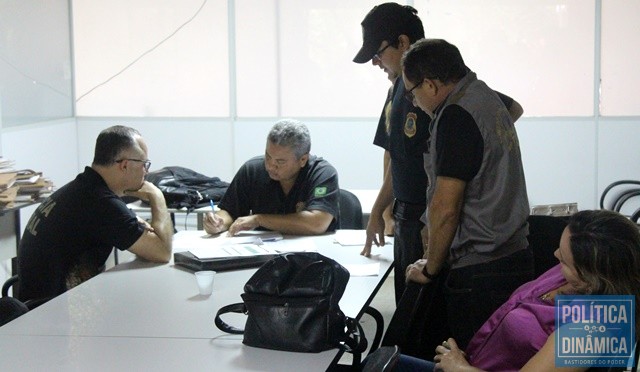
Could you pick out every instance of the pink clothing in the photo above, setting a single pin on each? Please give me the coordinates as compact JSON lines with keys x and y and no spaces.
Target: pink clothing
{"x":518,"y":329}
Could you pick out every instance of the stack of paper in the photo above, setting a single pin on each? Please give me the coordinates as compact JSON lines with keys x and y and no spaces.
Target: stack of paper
{"x":6,"y":165}
{"x":33,"y":185}
{"x":21,"y":186}
{"x":8,"y":197}
{"x":7,"y":180}
{"x":37,"y":189}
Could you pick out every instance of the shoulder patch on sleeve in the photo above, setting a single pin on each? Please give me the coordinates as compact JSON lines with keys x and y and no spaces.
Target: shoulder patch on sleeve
{"x":320,"y":191}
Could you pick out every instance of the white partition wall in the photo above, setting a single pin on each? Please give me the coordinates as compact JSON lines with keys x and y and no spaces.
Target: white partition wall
{"x":203,"y":80}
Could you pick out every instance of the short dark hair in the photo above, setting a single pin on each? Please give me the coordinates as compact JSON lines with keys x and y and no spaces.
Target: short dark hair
{"x":111,"y":142}
{"x":293,"y":134}
{"x":433,"y":59}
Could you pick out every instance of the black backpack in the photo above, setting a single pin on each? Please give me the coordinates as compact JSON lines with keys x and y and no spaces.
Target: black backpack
{"x":185,"y":188}
{"x":291,"y":304}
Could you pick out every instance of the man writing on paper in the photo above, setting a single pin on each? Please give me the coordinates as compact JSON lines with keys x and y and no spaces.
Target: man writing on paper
{"x":71,"y":234}
{"x":286,"y":189}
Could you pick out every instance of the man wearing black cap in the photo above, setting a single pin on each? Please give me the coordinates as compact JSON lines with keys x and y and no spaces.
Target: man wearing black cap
{"x":388,"y":30}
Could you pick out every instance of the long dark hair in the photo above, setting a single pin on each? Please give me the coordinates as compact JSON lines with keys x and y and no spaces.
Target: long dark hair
{"x":606,"y":253}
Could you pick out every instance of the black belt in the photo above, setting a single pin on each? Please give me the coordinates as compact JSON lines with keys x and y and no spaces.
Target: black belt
{"x":408,"y":211}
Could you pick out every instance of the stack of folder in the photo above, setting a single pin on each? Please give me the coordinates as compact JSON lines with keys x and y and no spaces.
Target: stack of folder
{"x":21,"y":186}
{"x":8,"y":191}
{"x":32,"y":185}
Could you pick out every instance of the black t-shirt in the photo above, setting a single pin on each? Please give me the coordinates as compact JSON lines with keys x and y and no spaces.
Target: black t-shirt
{"x":71,"y":234}
{"x":253,"y":191}
{"x":459,"y":143}
{"x":407,"y":141}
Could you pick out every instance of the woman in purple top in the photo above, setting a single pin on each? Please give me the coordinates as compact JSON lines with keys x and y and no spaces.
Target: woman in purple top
{"x":599,"y":253}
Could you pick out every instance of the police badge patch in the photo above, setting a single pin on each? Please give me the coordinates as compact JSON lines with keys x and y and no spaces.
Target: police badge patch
{"x":410,"y":125}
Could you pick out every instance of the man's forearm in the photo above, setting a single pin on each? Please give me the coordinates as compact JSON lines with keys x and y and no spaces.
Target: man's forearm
{"x":301,"y":223}
{"x":161,"y":222}
{"x":385,"y":195}
{"x":444,"y":218}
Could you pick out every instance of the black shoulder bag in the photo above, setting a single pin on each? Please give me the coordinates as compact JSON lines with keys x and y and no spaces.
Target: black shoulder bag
{"x":291,"y":304}
{"x":185,"y":188}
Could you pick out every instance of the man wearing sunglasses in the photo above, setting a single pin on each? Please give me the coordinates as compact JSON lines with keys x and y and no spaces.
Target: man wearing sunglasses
{"x":71,"y":234}
{"x":388,"y":30}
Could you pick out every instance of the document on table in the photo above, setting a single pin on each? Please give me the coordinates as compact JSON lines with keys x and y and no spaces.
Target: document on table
{"x":232,"y":250}
{"x":371,"y":269}
{"x":294,"y":245}
{"x":350,"y":237}
{"x":246,"y":243}
{"x":354,"y":237}
{"x":251,"y":236}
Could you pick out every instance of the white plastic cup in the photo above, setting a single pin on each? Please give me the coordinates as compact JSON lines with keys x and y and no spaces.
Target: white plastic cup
{"x":205,"y":282}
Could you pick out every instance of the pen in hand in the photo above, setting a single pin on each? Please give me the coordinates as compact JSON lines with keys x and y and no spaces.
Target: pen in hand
{"x":213,"y":206}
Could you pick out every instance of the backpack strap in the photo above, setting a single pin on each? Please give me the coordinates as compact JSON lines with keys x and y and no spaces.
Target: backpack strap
{"x":233,"y":308}
{"x":355,"y":341}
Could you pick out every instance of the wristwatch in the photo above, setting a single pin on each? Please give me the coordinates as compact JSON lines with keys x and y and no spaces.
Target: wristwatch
{"x":426,"y":273}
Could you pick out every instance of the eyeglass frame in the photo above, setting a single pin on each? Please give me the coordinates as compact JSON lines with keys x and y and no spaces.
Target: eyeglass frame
{"x":145,"y":163}
{"x":408,"y":94}
{"x":378,"y":54}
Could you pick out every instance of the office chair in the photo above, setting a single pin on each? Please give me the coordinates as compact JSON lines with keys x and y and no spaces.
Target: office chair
{"x":14,"y":282}
{"x":615,"y":202}
{"x":350,"y":211}
{"x":544,"y":239}
{"x":10,"y":309}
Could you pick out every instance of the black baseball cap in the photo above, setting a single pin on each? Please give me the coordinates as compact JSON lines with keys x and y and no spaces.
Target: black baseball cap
{"x":387,"y":22}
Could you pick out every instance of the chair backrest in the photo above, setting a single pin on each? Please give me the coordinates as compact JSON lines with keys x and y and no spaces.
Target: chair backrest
{"x":623,"y":187}
{"x":11,"y":308}
{"x":350,"y":211}
{"x":544,"y":239}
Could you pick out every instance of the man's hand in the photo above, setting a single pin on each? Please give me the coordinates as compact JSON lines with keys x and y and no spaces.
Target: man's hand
{"x":145,"y":224}
{"x":414,"y":273}
{"x":146,"y":192}
{"x":243,"y":223}
{"x":213,"y":223}
{"x":450,"y":358}
{"x":375,"y":233}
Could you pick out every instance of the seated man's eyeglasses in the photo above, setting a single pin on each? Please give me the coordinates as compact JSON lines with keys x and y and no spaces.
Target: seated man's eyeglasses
{"x":145,"y":163}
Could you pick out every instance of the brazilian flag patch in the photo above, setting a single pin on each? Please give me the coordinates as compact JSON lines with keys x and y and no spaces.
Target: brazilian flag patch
{"x":320,"y":191}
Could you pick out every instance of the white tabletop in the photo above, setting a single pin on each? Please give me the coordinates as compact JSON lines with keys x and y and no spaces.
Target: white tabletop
{"x":139,"y":303}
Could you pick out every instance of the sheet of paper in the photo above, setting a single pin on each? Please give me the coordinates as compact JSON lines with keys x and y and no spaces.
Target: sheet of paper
{"x":350,"y":237}
{"x":293,"y":245}
{"x":356,"y":237}
{"x":195,"y":241}
{"x":265,"y":236}
{"x":232,"y":250}
{"x":370,"y":269}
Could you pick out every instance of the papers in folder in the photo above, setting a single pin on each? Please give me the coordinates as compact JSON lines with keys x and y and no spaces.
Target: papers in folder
{"x":246,"y":243}
{"x":232,"y":250}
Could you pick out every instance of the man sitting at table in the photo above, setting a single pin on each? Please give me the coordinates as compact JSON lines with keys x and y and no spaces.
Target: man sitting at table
{"x":286,"y":189}
{"x":71,"y":234}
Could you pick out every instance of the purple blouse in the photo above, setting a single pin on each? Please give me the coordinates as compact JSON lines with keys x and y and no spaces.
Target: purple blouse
{"x":518,"y":329}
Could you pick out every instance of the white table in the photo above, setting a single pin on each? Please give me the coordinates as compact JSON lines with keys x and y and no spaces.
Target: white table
{"x":140,"y":315}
